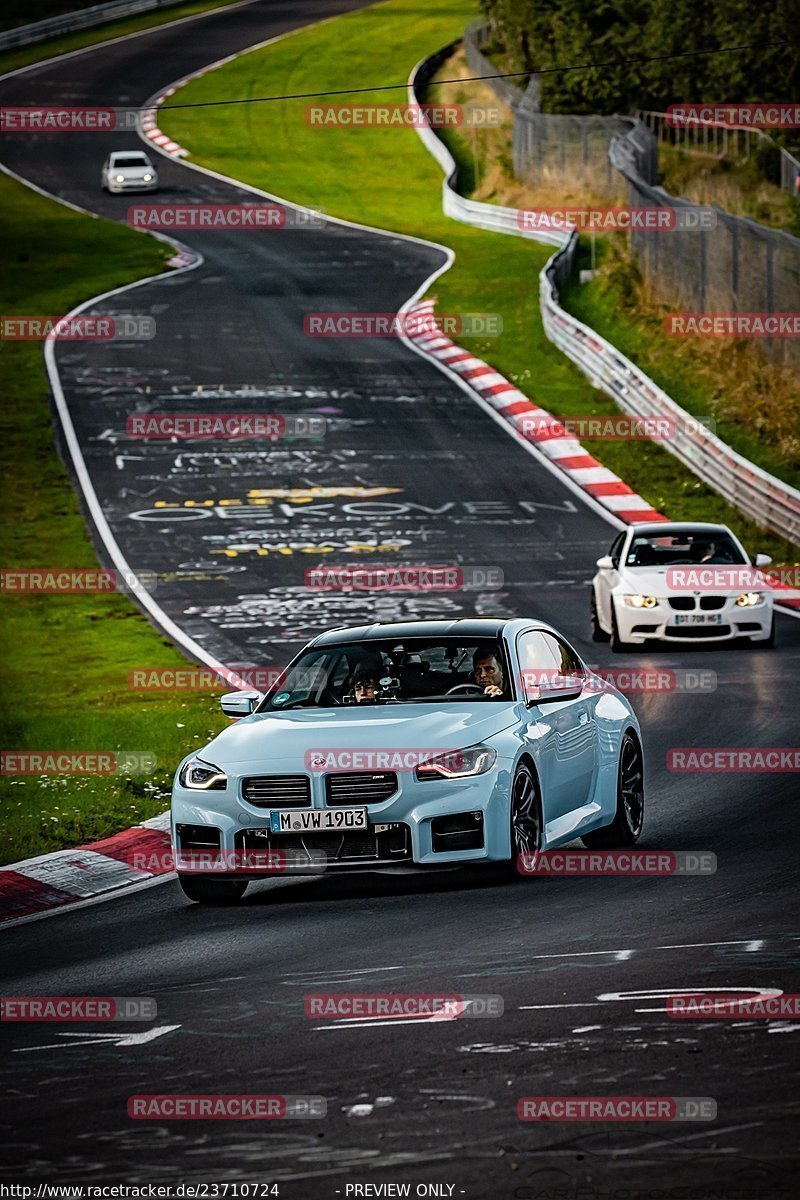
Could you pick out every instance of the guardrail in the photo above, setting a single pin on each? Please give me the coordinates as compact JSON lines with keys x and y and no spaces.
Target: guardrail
{"x":84,"y":18}
{"x":768,"y":501}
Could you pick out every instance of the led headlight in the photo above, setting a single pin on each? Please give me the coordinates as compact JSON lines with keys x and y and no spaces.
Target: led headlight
{"x":749,"y":599}
{"x":147,"y":178}
{"x":458,"y":764}
{"x":201,"y":776}
{"x":641,"y":601}
{"x":119,"y":178}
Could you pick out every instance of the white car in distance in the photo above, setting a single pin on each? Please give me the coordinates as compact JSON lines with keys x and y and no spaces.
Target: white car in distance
{"x":680,"y":583}
{"x":128,"y":171}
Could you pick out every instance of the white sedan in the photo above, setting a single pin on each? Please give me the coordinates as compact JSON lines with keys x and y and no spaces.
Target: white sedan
{"x":128,"y":171}
{"x":678,"y":583}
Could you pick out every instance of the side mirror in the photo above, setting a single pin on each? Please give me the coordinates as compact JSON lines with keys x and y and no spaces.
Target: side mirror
{"x":239,"y":704}
{"x":762,"y":560}
{"x":545,"y":687}
{"x":606,"y":563}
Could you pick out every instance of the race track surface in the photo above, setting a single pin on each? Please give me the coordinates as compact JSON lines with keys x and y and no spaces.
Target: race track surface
{"x":420,"y":1103}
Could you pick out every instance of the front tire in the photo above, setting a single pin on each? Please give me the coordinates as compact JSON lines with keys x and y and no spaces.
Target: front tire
{"x":598,"y":633}
{"x":626,"y":827}
{"x":525,"y":815}
{"x":204,"y":890}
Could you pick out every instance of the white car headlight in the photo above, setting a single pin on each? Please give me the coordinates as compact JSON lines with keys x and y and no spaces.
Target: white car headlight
{"x":147,"y":178}
{"x":640,"y":601}
{"x":201,"y":776}
{"x":458,"y":764}
{"x":750,"y":599}
{"x":119,"y":178}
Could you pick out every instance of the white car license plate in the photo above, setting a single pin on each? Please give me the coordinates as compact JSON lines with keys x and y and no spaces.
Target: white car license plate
{"x":306,"y":820}
{"x":699,"y":619}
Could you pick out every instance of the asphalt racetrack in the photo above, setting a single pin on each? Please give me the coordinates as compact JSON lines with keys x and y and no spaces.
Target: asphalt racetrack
{"x":414,"y":465}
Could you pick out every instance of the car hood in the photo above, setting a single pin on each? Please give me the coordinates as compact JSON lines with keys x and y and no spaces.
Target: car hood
{"x":652,"y":581}
{"x":282,"y":740}
{"x":132,"y":172}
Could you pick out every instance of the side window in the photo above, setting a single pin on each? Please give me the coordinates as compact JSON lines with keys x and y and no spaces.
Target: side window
{"x":616,"y":549}
{"x":547,"y":665}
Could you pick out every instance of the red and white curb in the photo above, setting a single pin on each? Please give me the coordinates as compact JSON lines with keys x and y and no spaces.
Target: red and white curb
{"x":65,"y":877}
{"x":148,"y":122}
{"x":535,"y":424}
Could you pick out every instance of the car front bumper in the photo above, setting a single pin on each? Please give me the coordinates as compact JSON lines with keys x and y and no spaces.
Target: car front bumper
{"x":637,"y":625}
{"x":132,"y":185}
{"x":430,"y":824}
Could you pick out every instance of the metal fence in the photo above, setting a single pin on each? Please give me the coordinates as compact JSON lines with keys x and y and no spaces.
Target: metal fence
{"x":739,"y":266}
{"x":84,"y":18}
{"x":476,"y":37}
{"x":734,"y":142}
{"x":768,"y":501}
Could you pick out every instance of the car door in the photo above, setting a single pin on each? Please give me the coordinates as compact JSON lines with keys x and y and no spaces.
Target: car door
{"x":609,"y":579}
{"x":560,"y":732}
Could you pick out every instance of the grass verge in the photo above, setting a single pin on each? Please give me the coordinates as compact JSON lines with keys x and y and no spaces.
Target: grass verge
{"x":66,"y":658}
{"x":385,"y":177}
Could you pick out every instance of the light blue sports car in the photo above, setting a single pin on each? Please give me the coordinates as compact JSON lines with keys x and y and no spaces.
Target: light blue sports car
{"x":418,"y":745}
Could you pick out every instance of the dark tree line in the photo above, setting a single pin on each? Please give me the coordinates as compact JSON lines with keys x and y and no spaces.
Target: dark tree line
{"x":533,"y":34}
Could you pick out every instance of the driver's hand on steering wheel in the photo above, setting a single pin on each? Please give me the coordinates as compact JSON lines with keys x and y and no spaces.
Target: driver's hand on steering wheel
{"x":492,"y":690}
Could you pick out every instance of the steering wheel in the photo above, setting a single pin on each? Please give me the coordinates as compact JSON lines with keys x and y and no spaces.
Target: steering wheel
{"x":465,"y":687}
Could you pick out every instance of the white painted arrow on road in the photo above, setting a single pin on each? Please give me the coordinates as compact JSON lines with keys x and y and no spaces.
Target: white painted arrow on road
{"x":103,"y":1039}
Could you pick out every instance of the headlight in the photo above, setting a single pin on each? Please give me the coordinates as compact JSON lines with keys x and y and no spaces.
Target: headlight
{"x":641,"y":601}
{"x":202,"y":776}
{"x":147,"y":178}
{"x":749,"y":599}
{"x":457,"y":764}
{"x":119,"y":178}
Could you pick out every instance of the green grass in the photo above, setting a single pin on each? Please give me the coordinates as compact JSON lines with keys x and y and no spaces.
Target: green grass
{"x":66,"y":658}
{"x":25,"y":55}
{"x":385,"y":177}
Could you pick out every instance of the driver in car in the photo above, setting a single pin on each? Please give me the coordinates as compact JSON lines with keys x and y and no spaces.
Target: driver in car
{"x":365,"y":684}
{"x":487,"y":671}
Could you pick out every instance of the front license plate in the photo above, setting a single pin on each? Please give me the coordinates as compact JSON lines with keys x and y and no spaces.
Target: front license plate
{"x":699,"y":619}
{"x":307,"y":819}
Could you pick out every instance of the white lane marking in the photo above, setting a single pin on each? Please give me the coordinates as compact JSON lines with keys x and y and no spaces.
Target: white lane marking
{"x":586,"y":1028}
{"x":105,"y":1039}
{"x":624,"y":955}
{"x":753,"y":946}
{"x":585,"y":1004}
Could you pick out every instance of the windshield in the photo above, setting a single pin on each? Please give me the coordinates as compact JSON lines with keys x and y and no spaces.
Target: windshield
{"x":394,"y":672}
{"x":683,"y":549}
{"x":129,"y":160}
